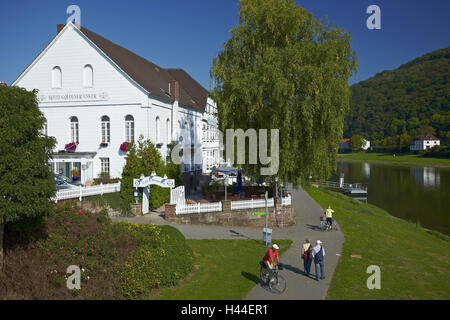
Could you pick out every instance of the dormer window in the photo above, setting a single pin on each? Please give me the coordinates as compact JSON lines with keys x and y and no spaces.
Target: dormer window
{"x":88,"y":76}
{"x":56,"y":78}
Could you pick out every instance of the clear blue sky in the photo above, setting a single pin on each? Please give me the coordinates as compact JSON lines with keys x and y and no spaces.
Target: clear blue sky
{"x":188,"y":34}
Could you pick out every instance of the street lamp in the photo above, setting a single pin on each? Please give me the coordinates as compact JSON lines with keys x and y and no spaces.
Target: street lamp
{"x":136,"y":195}
{"x":276,"y":196}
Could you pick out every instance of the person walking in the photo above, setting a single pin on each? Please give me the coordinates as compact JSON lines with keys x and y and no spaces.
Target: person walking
{"x":318,"y":254}
{"x":306,"y":256}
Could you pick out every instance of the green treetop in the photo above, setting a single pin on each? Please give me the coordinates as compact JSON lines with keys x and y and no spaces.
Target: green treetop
{"x":284,"y":69}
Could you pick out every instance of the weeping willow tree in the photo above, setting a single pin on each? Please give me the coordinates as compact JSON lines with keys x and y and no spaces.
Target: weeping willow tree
{"x":285,"y":69}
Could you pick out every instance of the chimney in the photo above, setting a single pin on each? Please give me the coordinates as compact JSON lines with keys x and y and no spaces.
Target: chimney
{"x":59,"y":27}
{"x":174,"y":90}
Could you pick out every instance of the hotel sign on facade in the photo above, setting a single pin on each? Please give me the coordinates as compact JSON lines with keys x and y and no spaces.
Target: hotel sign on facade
{"x":73,"y":97}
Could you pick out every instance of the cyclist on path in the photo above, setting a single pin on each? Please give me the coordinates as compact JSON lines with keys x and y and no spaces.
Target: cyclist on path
{"x":269,"y":259}
{"x":329,"y":215}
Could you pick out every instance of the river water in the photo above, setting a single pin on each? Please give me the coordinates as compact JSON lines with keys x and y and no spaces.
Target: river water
{"x":419,"y":194}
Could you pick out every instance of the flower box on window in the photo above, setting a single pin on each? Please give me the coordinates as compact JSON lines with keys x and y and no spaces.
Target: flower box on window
{"x":124,"y":146}
{"x":104,"y":144}
{"x":71,"y":147}
{"x":159,"y":145}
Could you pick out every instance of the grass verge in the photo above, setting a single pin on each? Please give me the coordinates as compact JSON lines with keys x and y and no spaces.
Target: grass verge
{"x":404,"y":159}
{"x":225,"y":269}
{"x":414,"y":262}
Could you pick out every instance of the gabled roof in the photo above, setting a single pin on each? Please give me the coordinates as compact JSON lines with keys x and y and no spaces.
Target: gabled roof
{"x":425,"y":137}
{"x":150,"y":76}
{"x":196,"y":91}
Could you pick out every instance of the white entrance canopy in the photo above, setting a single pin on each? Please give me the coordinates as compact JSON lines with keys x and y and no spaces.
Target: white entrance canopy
{"x":64,"y":162}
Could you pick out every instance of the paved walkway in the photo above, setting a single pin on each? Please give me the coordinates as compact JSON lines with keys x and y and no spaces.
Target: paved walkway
{"x":299,"y":286}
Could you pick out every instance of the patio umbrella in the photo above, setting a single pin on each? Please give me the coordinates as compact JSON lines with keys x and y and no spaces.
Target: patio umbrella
{"x":239,"y":188}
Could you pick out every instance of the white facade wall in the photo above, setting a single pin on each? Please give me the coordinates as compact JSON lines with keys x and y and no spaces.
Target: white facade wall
{"x":210,"y":138}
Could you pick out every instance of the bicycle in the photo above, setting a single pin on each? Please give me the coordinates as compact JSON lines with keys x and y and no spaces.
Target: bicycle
{"x":277,"y":284}
{"x":324,"y":226}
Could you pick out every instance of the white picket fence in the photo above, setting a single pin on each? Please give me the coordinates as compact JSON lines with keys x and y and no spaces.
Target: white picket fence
{"x":251,"y":204}
{"x":182,"y":208}
{"x":81,"y":192}
{"x":198,"y":208}
{"x":286,"y":201}
{"x":177,"y":195}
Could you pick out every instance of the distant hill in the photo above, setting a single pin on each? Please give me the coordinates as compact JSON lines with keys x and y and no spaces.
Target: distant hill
{"x":409,"y":100}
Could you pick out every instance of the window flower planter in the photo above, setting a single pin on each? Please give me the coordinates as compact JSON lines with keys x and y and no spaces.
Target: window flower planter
{"x":124,"y":146}
{"x":104,"y":144}
{"x":71,"y":147}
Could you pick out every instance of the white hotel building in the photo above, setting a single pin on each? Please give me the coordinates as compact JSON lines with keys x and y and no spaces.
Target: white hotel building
{"x":98,"y":94}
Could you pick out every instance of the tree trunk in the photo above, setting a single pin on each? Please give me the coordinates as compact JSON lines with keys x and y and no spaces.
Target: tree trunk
{"x":2,"y":229}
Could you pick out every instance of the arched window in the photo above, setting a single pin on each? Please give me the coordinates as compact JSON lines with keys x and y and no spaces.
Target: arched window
{"x":129,"y":128}
{"x":169,"y":131}
{"x":88,"y":76}
{"x":74,"y":134}
{"x":158,"y":136}
{"x":56,"y":78}
{"x":106,"y":130}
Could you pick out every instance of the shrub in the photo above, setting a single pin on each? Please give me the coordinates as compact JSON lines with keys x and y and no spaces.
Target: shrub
{"x":119,"y":260}
{"x":178,"y":258}
{"x":162,"y":258}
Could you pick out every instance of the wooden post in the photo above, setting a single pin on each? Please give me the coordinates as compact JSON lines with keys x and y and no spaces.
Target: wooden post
{"x":145,"y":200}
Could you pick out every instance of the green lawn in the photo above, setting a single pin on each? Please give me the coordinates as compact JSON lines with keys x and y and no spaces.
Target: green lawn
{"x":414,"y":262}
{"x":398,"y":159}
{"x":225,"y":269}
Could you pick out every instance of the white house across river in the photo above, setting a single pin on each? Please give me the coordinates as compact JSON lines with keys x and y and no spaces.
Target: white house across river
{"x":96,"y":95}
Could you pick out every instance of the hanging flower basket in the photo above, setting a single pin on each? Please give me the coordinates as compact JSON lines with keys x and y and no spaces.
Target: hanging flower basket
{"x":124,"y":146}
{"x":71,"y":146}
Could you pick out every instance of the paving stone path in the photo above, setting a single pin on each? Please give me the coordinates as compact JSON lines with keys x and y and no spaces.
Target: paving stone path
{"x":299,"y":286}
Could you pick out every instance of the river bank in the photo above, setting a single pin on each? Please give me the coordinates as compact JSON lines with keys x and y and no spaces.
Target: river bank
{"x":414,"y":262}
{"x":403,"y":159}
